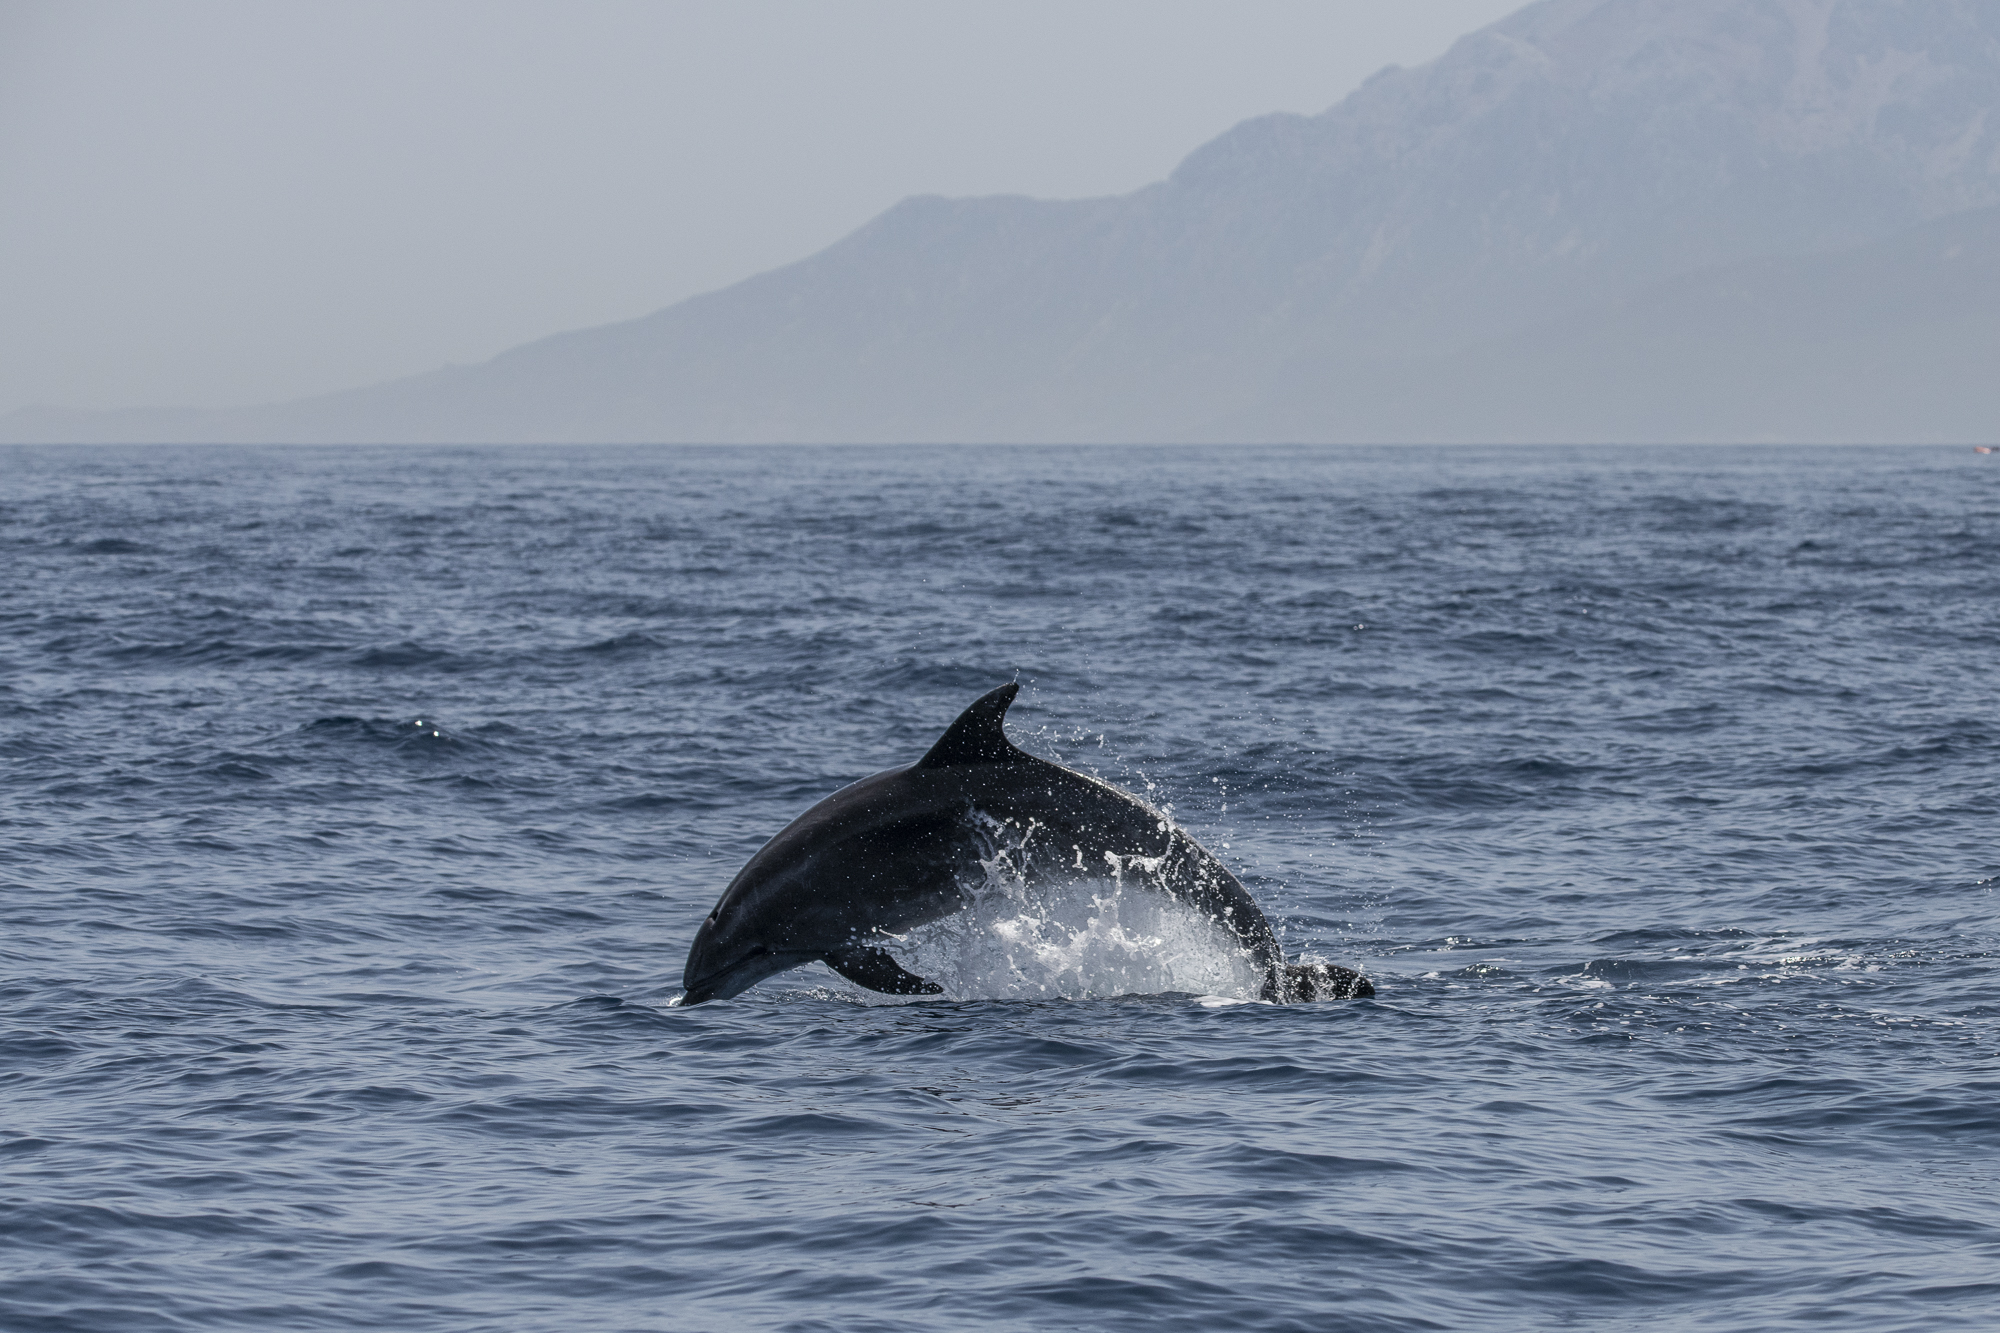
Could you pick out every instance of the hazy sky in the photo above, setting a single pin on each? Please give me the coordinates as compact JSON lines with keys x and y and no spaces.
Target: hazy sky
{"x":224,"y":201}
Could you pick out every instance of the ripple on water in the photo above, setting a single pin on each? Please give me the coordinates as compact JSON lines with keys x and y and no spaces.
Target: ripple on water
{"x":360,"y":806}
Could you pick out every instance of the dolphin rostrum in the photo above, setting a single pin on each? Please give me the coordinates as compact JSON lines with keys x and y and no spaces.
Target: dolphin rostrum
{"x":895,"y":851}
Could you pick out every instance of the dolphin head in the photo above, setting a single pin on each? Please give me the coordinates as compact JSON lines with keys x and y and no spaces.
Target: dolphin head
{"x":778,"y":913}
{"x":728,"y":959}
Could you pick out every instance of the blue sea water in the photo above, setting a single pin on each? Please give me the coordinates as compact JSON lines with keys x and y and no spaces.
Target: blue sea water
{"x":357,"y":807}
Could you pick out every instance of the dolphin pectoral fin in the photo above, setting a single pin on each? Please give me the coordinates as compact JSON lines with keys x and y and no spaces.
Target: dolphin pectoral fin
{"x":879,"y":972}
{"x":1324,"y":981}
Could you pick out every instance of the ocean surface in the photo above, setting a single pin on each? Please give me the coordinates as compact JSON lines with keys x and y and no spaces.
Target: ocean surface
{"x":357,"y":807}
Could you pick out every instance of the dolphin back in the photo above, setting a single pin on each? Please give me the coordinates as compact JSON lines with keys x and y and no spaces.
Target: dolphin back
{"x":1082,"y":827}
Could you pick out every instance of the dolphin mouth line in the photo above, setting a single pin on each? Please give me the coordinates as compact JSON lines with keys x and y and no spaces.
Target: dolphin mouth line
{"x":714,"y":984}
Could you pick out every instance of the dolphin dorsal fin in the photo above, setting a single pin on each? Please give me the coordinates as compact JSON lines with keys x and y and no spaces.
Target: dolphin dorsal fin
{"x":978,"y":736}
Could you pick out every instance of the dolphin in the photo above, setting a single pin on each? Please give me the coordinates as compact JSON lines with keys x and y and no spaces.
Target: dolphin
{"x":893,"y":852}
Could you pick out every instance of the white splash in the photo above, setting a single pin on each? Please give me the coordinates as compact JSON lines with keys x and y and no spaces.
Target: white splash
{"x":1115,"y":932}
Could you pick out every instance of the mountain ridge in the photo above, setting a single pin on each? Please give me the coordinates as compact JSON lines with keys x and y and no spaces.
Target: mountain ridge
{"x":1545,"y":173}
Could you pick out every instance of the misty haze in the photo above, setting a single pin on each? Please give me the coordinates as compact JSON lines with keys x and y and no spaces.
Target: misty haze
{"x":1596,"y":220}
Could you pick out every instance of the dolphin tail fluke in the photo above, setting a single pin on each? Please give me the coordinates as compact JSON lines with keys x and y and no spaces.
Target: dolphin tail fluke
{"x":1324,"y":981}
{"x":879,"y":972}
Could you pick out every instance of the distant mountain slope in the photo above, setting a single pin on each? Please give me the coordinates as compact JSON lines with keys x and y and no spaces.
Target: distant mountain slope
{"x":1523,"y":239}
{"x":1895,"y":341}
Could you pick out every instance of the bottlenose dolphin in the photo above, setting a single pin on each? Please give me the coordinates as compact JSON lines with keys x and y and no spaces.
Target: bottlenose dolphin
{"x":893,"y":852}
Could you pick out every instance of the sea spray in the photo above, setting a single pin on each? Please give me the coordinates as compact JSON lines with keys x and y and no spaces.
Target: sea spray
{"x":1089,"y":932}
